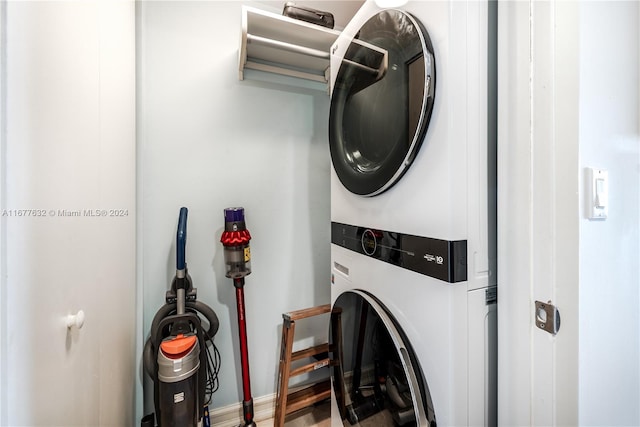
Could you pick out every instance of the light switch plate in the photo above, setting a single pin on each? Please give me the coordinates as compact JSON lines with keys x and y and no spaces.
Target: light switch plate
{"x":597,"y":193}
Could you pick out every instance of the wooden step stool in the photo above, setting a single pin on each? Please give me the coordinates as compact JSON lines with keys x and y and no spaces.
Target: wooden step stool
{"x":286,"y":402}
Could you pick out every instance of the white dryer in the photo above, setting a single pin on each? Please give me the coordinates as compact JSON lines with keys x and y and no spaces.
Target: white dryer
{"x":412,"y":136}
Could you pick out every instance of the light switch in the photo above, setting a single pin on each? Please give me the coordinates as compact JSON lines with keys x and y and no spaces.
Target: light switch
{"x":598,"y":197}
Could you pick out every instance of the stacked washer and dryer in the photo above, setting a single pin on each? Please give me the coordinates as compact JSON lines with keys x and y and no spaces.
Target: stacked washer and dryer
{"x":413,"y":216}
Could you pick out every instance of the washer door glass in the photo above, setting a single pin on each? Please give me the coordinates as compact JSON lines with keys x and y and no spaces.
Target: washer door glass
{"x":381,"y":102}
{"x":377,"y":379}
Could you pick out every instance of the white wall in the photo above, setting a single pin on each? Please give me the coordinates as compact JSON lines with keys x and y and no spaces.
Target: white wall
{"x":3,"y":222}
{"x":208,"y":141}
{"x":68,"y":144}
{"x":610,"y":249}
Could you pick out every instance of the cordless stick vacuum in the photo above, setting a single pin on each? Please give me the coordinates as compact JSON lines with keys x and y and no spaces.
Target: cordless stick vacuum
{"x":237,"y":257}
{"x":176,"y":355}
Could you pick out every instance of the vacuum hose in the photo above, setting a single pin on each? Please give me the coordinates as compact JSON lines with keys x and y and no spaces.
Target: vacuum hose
{"x":167,"y":310}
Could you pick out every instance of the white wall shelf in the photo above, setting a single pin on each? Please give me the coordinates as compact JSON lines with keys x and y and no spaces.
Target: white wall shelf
{"x":278,"y":44}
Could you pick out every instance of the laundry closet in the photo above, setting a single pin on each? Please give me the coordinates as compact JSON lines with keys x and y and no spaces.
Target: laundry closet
{"x":137,"y":109}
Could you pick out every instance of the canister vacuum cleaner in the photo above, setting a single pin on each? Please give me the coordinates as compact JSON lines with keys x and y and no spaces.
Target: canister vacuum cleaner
{"x":177,"y":353}
{"x":237,"y":257}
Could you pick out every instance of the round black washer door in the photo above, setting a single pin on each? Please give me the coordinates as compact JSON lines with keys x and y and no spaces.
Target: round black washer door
{"x":377,"y":378}
{"x":381,"y":102}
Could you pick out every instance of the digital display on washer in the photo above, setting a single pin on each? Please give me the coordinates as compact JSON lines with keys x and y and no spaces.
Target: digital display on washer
{"x":381,"y":102}
{"x":441,"y":259}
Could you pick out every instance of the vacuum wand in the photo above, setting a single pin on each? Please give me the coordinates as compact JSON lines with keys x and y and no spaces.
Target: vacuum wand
{"x":247,"y":403}
{"x":237,"y":257}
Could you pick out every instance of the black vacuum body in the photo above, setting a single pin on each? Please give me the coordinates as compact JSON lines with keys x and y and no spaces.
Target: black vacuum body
{"x":178,"y":365}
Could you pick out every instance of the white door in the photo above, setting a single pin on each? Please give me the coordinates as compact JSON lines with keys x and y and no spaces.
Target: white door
{"x":537,"y":217}
{"x":568,"y":71}
{"x":68,"y":213}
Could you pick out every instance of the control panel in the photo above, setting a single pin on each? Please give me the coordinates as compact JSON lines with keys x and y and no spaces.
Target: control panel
{"x":441,"y":259}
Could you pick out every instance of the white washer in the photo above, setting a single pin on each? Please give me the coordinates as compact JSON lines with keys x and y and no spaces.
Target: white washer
{"x":413,"y":237}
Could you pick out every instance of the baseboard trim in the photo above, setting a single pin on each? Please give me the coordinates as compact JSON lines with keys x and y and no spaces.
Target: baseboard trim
{"x":264,"y":408}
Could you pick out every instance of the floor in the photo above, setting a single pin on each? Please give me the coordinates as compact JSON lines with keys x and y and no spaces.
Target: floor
{"x":320,"y":416}
{"x":315,"y":416}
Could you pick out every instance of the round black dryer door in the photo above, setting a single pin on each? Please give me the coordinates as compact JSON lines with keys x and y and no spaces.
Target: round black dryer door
{"x":377,"y":379}
{"x":381,"y":102}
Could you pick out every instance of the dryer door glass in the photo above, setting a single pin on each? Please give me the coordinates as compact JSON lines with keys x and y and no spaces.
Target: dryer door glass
{"x":381,"y":102}
{"x":377,"y":379}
